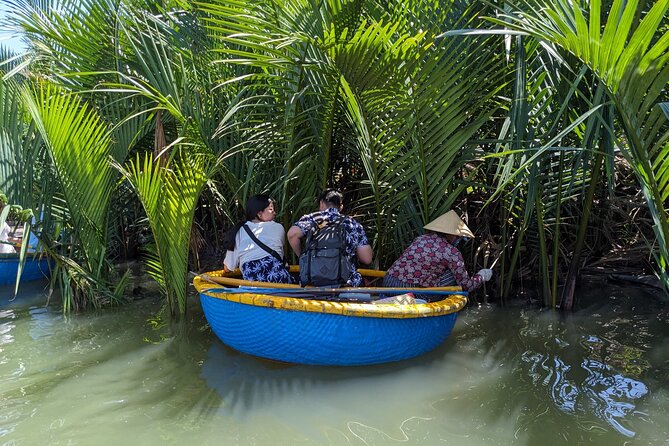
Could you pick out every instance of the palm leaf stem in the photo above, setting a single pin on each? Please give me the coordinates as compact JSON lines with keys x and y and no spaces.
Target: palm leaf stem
{"x":567,"y":301}
{"x":543,"y":252}
{"x":556,"y":233}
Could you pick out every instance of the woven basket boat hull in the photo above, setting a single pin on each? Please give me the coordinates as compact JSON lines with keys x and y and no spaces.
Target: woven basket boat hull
{"x":34,"y":268}
{"x":318,"y":332}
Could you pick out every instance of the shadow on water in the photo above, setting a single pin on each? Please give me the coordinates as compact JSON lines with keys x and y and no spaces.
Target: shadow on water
{"x":246,"y":382}
{"x":33,"y":293}
{"x":528,"y":375}
{"x":513,"y":375}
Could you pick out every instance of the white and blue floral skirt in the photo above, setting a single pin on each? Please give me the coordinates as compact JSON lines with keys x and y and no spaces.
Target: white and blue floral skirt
{"x":267,"y":269}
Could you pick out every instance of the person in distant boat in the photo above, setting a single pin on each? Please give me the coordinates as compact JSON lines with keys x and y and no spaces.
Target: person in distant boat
{"x":255,"y":246}
{"x":343,"y":230}
{"x":6,"y":246}
{"x":433,"y":259}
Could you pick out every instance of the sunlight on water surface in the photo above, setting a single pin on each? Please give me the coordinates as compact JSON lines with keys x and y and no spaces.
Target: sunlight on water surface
{"x":505,"y":376}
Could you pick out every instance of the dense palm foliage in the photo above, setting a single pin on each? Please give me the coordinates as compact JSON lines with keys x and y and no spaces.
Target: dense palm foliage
{"x":166,"y":114}
{"x":367,"y":99}
{"x":628,"y":57}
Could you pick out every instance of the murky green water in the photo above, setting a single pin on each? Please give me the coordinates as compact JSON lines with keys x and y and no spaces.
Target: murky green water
{"x":505,"y":377}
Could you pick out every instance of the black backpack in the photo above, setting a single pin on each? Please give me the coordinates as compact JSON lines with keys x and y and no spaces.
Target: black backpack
{"x":324,"y":261}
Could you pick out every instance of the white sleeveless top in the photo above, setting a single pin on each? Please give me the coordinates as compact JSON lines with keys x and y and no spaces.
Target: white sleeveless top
{"x":4,"y":236}
{"x":270,"y":233}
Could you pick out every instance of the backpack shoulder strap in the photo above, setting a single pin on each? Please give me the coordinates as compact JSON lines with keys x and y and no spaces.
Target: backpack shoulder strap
{"x":336,"y":221}
{"x":261,"y":244}
{"x":316,"y":227}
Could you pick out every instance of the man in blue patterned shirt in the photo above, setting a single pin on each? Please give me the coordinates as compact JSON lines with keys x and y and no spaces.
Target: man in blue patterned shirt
{"x":330,"y":204}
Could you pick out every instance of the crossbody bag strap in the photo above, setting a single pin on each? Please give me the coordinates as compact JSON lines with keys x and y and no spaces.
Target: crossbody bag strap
{"x":341,"y":229}
{"x":262,"y":245}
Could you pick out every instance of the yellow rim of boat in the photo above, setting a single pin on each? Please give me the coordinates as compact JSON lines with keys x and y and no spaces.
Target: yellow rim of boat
{"x":209,"y":282}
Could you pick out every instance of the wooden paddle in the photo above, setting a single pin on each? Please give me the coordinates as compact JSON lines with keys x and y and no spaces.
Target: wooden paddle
{"x":229,"y":282}
{"x":321,"y":290}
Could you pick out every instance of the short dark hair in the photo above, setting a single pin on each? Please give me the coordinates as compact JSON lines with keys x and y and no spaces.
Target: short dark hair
{"x":331,"y":197}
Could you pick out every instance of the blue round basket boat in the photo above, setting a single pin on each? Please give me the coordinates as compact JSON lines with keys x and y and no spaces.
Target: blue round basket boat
{"x":36,"y":267}
{"x":323,"y":332}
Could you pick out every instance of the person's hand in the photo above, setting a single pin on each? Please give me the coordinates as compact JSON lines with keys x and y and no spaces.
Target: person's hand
{"x":485,"y":274}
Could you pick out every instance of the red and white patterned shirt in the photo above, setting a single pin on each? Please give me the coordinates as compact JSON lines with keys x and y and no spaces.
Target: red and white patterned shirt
{"x":427,"y":258}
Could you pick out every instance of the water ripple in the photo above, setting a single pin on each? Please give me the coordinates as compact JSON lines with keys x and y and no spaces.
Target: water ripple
{"x":609,"y":395}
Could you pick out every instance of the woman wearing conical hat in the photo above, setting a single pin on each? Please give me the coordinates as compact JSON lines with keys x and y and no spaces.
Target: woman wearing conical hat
{"x":433,"y":259}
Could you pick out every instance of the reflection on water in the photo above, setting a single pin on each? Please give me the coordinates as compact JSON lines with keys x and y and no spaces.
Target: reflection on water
{"x":320,"y":404}
{"x":509,"y":376}
{"x":6,"y":327}
{"x":607,"y":394}
{"x":43,"y":324}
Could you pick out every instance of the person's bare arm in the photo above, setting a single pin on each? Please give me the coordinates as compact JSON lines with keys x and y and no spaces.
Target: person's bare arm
{"x":364,"y":254}
{"x":294,"y":239}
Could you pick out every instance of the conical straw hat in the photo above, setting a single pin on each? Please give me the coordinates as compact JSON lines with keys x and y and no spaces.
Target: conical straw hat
{"x":449,"y":223}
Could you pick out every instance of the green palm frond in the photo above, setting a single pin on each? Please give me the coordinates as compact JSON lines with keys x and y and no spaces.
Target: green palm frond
{"x":19,"y":147}
{"x":281,"y":118}
{"x":631,"y":61}
{"x":360,"y":71}
{"x":417,"y":111}
{"x":552,"y":140}
{"x":169,"y":194}
{"x":78,"y":143}
{"x":69,"y":38}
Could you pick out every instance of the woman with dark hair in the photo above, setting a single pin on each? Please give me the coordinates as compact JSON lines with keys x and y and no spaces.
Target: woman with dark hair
{"x":255,"y":246}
